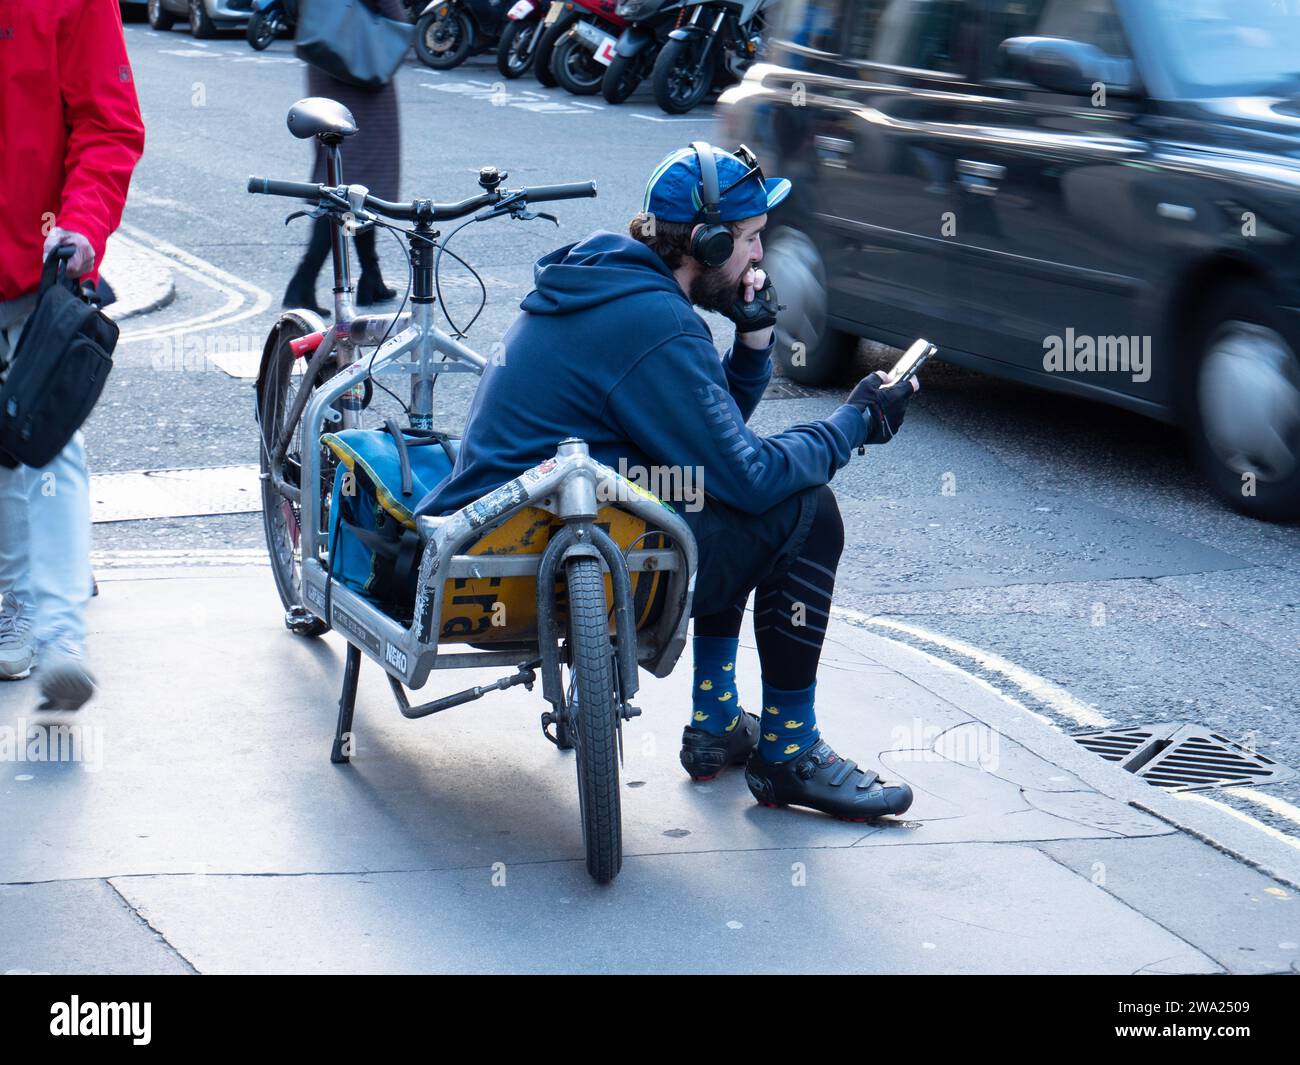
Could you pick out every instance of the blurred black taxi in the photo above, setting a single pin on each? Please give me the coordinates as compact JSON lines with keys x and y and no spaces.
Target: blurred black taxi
{"x":1100,"y":197}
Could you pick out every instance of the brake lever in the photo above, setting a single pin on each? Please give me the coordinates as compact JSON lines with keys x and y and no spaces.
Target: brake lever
{"x":526,"y":215}
{"x":318,"y":211}
{"x":515,"y":208}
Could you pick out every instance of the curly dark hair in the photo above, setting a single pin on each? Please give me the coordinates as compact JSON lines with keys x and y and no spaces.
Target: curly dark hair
{"x":670,"y":240}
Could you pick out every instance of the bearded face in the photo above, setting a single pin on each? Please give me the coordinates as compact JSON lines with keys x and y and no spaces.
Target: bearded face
{"x":716,"y":289}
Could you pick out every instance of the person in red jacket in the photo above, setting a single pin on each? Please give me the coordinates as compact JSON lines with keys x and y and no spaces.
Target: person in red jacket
{"x":70,"y":136}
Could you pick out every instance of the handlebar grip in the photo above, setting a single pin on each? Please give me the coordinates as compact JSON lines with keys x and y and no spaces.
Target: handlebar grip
{"x":573,"y":191}
{"x":301,"y":190}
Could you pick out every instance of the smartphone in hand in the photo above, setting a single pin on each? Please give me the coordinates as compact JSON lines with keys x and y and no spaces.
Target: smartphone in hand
{"x":913,"y":359}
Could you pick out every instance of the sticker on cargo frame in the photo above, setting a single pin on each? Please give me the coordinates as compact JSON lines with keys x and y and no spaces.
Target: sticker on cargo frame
{"x":495,"y":503}
{"x":347,"y":623}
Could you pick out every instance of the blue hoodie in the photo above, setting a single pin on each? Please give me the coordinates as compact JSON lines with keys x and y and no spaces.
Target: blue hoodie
{"x":609,"y":349}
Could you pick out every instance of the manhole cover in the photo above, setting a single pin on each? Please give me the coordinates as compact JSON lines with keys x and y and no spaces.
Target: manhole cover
{"x":1182,"y":757}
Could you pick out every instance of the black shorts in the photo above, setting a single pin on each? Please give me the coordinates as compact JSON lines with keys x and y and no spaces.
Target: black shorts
{"x":738,"y":551}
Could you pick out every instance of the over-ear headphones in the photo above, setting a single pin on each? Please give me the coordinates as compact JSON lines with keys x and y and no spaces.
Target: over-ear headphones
{"x":712,"y":244}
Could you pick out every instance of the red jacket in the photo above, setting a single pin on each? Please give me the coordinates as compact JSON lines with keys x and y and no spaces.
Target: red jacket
{"x":70,"y":129}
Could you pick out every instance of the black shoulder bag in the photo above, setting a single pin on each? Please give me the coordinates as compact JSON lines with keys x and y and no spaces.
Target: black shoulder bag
{"x":58,"y":369}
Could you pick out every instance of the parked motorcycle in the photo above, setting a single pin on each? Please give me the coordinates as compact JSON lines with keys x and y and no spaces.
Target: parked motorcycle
{"x":269,"y":18}
{"x":449,"y":31}
{"x":638,"y":45}
{"x":581,"y":55}
{"x":716,"y":45}
{"x":519,"y":37}
{"x":560,"y":16}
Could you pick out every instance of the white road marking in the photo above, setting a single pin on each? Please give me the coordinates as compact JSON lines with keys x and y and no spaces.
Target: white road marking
{"x":681,"y":118}
{"x":243,"y":299}
{"x":942,"y":663}
{"x":496,"y":95}
{"x":1044,"y":690}
{"x":1268,"y":830}
{"x":1272,"y":802}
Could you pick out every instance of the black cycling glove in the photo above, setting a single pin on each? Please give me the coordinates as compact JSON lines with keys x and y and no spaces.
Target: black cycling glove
{"x":752,"y":315}
{"x":883,"y":408}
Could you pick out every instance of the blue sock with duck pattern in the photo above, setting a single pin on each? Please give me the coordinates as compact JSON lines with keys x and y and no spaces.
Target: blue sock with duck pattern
{"x":715,"y":704}
{"x":788,"y":725}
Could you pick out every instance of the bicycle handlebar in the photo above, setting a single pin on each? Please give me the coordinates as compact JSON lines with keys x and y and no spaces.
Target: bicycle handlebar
{"x":418,"y":210}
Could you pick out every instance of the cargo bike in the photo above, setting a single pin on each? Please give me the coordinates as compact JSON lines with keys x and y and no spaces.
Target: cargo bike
{"x":568,"y":571}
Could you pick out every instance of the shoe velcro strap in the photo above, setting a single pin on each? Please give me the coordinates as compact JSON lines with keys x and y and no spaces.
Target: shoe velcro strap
{"x":869,"y":777}
{"x":846,"y":767}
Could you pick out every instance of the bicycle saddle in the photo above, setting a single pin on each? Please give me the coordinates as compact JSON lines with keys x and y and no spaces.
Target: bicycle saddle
{"x":319,"y":114}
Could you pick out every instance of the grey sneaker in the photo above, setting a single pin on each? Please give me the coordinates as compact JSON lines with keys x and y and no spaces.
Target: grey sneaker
{"x":15,"y":646}
{"x":65,"y":681}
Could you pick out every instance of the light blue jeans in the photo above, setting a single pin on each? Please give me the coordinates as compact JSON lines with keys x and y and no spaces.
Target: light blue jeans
{"x":45,"y":536}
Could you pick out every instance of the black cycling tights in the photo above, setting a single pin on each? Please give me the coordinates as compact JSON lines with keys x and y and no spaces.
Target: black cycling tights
{"x":791,"y":610}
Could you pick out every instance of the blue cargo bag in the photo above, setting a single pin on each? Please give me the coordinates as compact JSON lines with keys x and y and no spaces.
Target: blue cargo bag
{"x":374,"y":547}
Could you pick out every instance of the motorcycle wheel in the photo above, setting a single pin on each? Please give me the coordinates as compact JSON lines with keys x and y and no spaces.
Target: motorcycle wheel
{"x":546,"y":46}
{"x":444,"y":42}
{"x":622,"y":76}
{"x":202,"y":27}
{"x":282,"y":519}
{"x":517,"y":47}
{"x":261,"y":31}
{"x":159,"y":17}
{"x":680,"y":82}
{"x":595,"y":737}
{"x":575,"y":67}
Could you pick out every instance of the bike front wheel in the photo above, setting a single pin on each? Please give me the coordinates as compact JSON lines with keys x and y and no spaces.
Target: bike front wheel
{"x":593,"y":725}
{"x":283,"y":377}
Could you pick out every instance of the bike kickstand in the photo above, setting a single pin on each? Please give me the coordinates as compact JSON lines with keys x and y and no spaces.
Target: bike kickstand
{"x":343,"y":745}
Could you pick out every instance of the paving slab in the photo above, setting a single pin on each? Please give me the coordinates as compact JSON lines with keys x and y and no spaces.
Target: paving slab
{"x":78,"y":926}
{"x":1246,"y":925}
{"x":982,"y":908}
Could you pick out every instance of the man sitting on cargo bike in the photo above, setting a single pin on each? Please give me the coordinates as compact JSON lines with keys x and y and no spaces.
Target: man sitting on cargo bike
{"x":610,"y":349}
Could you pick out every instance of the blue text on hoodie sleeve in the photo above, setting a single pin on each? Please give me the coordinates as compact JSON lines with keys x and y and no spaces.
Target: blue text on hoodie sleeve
{"x":748,"y":370}
{"x":675,"y":405}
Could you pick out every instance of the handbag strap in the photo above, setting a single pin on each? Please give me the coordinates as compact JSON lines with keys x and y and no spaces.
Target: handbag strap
{"x":55,"y":270}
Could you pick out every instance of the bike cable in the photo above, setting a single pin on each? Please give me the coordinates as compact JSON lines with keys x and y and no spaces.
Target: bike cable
{"x":401,"y":307}
{"x":459,"y":333}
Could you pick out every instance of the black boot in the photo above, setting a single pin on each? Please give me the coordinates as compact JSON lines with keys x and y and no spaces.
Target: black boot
{"x":370,"y":287}
{"x":302,"y":286}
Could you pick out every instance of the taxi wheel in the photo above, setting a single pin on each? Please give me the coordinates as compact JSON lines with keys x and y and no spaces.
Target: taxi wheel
{"x":1243,"y":414}
{"x":809,"y":350}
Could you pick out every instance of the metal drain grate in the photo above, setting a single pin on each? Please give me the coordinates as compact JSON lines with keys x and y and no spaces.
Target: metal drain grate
{"x":1116,"y":745}
{"x":1182,"y":757}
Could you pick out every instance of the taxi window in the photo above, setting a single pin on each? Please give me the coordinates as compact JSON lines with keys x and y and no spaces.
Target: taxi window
{"x":921,"y":34}
{"x":815,"y":24}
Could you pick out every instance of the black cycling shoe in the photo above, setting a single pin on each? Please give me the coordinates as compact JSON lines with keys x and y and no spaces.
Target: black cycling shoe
{"x":821,"y":779}
{"x":704,"y":755}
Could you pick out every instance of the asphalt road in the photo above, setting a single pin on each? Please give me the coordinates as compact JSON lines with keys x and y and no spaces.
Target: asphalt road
{"x":1005,"y":529}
